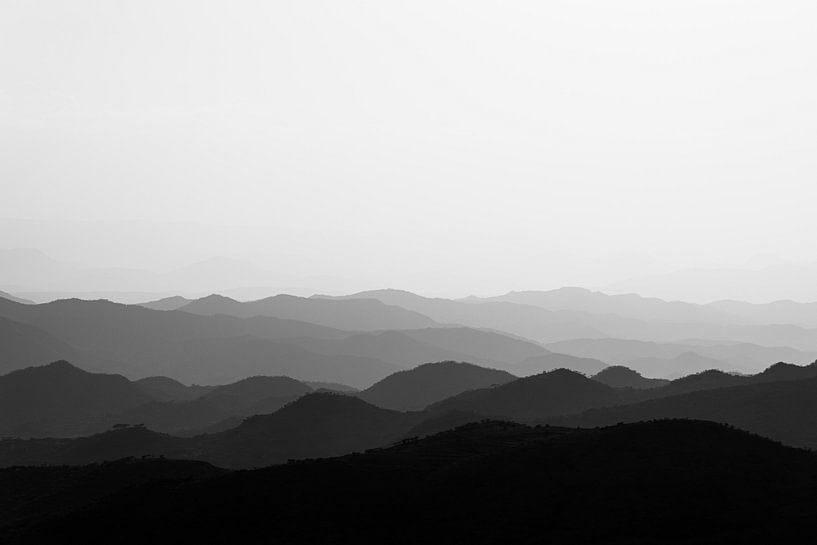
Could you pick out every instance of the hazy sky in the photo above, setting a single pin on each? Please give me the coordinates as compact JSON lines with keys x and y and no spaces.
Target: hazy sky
{"x":422,"y":143}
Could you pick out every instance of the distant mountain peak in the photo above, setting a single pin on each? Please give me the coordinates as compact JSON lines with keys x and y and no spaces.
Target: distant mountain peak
{"x":619,"y":370}
{"x":417,"y":388}
{"x":323,"y":404}
{"x":10,"y":297}
{"x":561,"y":373}
{"x":59,"y":365}
{"x":619,"y":376}
{"x":215,"y":297}
{"x":704,"y":375}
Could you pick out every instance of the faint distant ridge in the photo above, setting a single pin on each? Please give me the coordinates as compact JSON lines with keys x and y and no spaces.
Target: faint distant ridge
{"x":353,"y":315}
{"x":677,"y":366}
{"x":190,"y":347}
{"x":780,"y":283}
{"x":527,"y":321}
{"x":619,"y":376}
{"x":629,"y":305}
{"x":168,"y":389}
{"x":552,"y":361}
{"x":536,"y":477}
{"x":10,"y":297}
{"x":417,"y":388}
{"x":168,"y":303}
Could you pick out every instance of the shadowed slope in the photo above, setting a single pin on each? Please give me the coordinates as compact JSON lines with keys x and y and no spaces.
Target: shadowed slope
{"x":785,"y":411}
{"x":417,"y":388}
{"x":59,"y":391}
{"x":619,"y":376}
{"x":548,"y":394}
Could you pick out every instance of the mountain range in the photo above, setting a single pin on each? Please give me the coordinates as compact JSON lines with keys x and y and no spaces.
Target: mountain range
{"x":139,"y":342}
{"x":655,"y":482}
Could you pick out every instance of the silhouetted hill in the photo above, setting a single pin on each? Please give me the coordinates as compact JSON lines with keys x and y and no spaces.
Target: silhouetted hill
{"x":173,"y":417}
{"x":548,"y":394}
{"x":213,"y":409}
{"x":123,"y":442}
{"x":667,"y":482}
{"x":353,"y":315}
{"x":22,"y":345}
{"x":60,"y":400}
{"x":704,"y":380}
{"x":167,"y":389}
{"x":677,"y":366}
{"x":715,"y":378}
{"x":619,"y":376}
{"x":167,"y":303}
{"x":552,"y":361}
{"x":442,"y":421}
{"x":785,"y":410}
{"x":315,"y":425}
{"x":417,"y":388}
{"x":34,"y":398}
{"x":191,"y":348}
{"x":171,"y":390}
{"x":331,"y":386}
{"x":240,"y":395}
{"x":785,"y":371}
{"x":776,"y":312}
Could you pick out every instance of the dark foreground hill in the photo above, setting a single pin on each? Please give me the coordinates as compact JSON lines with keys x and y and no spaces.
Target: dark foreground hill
{"x":677,"y":482}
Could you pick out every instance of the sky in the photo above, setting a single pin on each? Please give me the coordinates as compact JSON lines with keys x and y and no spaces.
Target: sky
{"x":449,"y":147}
